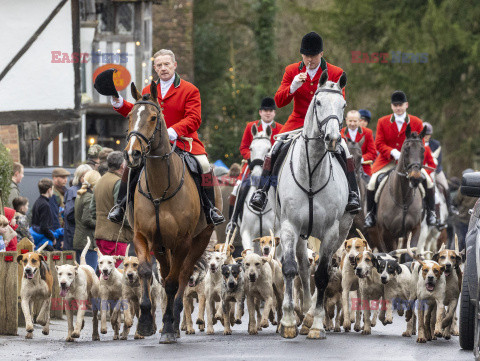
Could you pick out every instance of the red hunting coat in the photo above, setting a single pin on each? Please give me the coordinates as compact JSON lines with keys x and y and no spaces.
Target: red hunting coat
{"x":303,"y":96}
{"x":181,"y":109}
{"x":369,"y":152}
{"x":388,"y":138}
{"x":248,"y":137}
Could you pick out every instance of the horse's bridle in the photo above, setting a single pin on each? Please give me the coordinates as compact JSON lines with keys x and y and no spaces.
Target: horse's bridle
{"x":408,"y":167}
{"x":324,"y":121}
{"x":148,"y":142}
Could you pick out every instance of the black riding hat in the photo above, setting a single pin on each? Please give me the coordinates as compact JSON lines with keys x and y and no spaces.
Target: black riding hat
{"x":268,"y":104}
{"x":104,"y":83}
{"x":399,"y":97}
{"x":312,"y":44}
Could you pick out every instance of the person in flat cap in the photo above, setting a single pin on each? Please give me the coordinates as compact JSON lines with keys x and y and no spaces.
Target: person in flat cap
{"x":365,"y":117}
{"x":57,"y":201}
{"x":299,"y":83}
{"x":389,"y":141}
{"x":239,"y":194}
{"x":93,"y":156}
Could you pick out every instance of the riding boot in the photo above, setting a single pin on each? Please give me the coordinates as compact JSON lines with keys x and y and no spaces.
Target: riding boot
{"x":259,"y":199}
{"x":353,"y":205}
{"x":370,"y":218}
{"x":117,"y":213}
{"x":238,"y":208}
{"x":208,"y":199}
{"x":430,"y":206}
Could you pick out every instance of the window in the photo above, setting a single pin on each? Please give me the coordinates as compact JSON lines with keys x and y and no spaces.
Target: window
{"x":117,"y":18}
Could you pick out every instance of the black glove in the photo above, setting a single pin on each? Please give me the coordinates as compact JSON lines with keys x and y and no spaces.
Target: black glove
{"x":104,"y":83}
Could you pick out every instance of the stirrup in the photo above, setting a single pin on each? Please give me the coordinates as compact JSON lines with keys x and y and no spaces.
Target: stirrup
{"x":215,"y":216}
{"x":116,"y":214}
{"x":259,"y":200}
{"x":370,"y":220}
{"x":230,"y":227}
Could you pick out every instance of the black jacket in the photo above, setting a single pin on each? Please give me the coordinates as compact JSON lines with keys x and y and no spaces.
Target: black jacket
{"x":42,"y":218}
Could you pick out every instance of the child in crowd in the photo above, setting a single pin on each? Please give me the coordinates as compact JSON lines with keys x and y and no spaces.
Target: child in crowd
{"x":6,"y":234}
{"x":42,"y":218}
{"x":20,"y":204}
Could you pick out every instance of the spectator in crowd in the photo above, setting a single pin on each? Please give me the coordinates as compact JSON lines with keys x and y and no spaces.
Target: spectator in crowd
{"x":103,"y":167}
{"x":20,"y":204}
{"x":16,"y":179}
{"x":93,"y":159}
{"x":42,"y":217}
{"x":9,"y":235}
{"x":104,"y":197}
{"x":84,"y":219}
{"x":57,"y":202}
{"x":10,"y":214}
{"x":69,"y":200}
{"x":6,"y":233}
{"x":463,"y":205}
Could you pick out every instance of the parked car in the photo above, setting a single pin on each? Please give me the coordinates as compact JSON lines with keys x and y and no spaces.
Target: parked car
{"x":469,"y":298}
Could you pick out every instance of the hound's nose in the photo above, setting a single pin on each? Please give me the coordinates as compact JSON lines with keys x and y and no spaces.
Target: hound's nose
{"x":351,"y":259}
{"x":358,"y":271}
{"x":448,"y":267}
{"x":384,"y":279}
{"x":231,"y":284}
{"x":430,"y":278}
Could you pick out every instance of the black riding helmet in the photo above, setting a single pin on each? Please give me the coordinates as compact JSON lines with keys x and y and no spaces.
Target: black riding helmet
{"x":104,"y":83}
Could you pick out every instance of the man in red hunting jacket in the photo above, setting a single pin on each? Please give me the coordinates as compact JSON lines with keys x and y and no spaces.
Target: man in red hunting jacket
{"x":181,"y":107}
{"x":239,"y":194}
{"x":389,"y":141}
{"x":355,"y":132}
{"x":299,"y":84}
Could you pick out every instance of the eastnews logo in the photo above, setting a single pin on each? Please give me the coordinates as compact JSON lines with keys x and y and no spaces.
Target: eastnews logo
{"x":394,"y":57}
{"x":95,"y":58}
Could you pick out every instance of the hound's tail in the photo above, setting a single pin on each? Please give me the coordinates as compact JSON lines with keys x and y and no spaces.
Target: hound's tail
{"x":83,"y":260}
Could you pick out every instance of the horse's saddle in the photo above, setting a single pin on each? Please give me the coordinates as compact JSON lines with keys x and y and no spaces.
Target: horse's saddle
{"x":191,"y":162}
{"x":382,"y":180}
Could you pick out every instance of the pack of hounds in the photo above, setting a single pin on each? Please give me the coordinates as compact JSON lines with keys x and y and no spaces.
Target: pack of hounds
{"x":425,"y":291}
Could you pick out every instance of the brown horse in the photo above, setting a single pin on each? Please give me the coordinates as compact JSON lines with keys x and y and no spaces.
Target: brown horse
{"x":400,"y":206}
{"x":168,"y":217}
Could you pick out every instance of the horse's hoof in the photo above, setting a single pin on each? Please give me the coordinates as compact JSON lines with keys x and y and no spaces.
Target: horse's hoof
{"x":316,"y":334}
{"x":168,"y":338}
{"x":288,"y":331}
{"x":96,"y":338}
{"x":145,"y":329}
{"x":304,"y":330}
{"x":308,"y":320}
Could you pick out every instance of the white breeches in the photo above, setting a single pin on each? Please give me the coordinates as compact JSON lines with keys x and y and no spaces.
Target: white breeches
{"x":204,"y":163}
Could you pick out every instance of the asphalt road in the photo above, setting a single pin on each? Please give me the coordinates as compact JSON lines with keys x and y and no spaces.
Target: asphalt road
{"x":385,"y":343}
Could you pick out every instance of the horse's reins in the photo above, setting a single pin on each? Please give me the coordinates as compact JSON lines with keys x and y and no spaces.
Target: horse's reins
{"x":310,"y":192}
{"x":145,"y":155}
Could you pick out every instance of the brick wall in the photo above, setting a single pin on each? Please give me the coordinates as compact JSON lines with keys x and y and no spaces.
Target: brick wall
{"x":173,"y":29}
{"x":9,"y":138}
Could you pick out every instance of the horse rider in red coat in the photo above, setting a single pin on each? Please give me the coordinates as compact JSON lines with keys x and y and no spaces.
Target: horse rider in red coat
{"x":181,"y":107}
{"x":299,"y":84}
{"x":389,"y":141}
{"x":356,"y":133}
{"x":267,"y":119}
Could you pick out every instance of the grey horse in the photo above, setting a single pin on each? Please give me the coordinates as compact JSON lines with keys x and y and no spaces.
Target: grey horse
{"x":257,"y":224}
{"x":312,"y":186}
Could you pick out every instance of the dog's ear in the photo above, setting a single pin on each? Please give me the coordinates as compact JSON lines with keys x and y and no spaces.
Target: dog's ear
{"x":244,"y":252}
{"x":264,"y":260}
{"x":458,"y":261}
{"x":20,"y":258}
{"x":232,"y":248}
{"x":374,"y":260}
{"x":277,"y":241}
{"x":256,"y":239}
{"x":365,"y":244}
{"x":317,"y":258}
{"x":76,"y":269}
{"x":56,"y":267}
{"x":345,"y":245}
{"x":116,"y":258}
{"x":435,"y":257}
{"x":399,"y":269}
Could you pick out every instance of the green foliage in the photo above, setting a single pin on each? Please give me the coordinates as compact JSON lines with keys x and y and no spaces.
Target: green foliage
{"x":6,"y":165}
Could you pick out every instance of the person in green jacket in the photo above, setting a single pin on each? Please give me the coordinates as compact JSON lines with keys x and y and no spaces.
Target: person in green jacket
{"x":85,"y":220}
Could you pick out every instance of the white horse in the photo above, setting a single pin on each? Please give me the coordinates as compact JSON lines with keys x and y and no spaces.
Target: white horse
{"x":311,"y":167}
{"x":257,"y":224}
{"x":429,"y":235}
